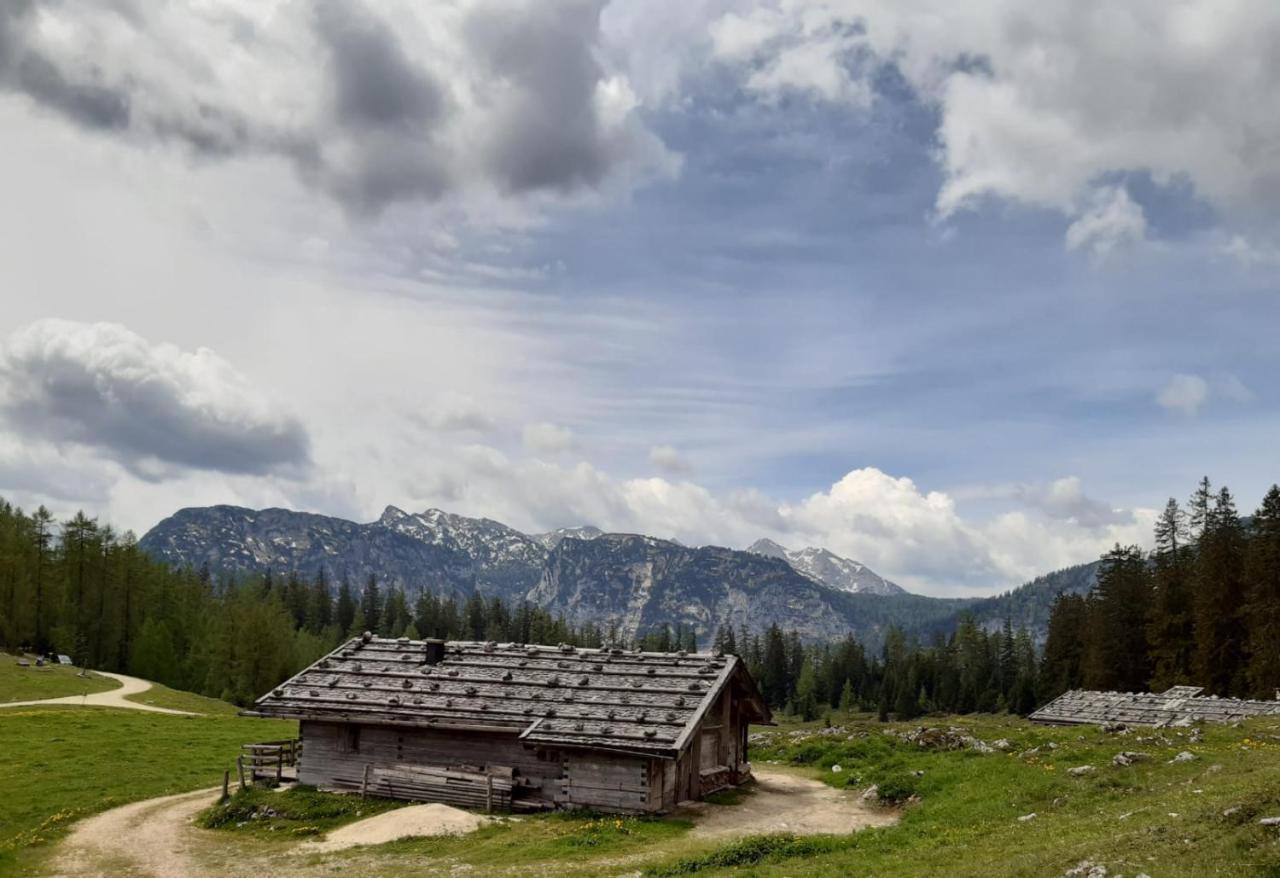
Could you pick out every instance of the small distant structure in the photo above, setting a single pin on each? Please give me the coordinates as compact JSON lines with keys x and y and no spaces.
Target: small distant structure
{"x":1177,"y":706}
{"x":521,"y":727}
{"x":64,"y":660}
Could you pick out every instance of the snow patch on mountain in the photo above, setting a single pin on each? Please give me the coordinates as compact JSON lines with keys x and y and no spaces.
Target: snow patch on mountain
{"x":828,"y":568}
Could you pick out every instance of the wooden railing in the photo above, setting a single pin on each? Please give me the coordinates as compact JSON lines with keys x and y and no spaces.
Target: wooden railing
{"x":267,"y":761}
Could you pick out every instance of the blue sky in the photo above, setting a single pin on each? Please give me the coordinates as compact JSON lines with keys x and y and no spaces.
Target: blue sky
{"x":964,"y":294}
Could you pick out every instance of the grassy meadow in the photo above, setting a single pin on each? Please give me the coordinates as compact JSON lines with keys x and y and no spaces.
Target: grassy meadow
{"x":61,"y":763}
{"x":51,"y":681}
{"x":963,"y":813}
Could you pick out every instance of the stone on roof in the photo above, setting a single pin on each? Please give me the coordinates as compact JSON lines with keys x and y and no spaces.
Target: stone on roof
{"x":644,"y":702}
{"x":1177,"y":706}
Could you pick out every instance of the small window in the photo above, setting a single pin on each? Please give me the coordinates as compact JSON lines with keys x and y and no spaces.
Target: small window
{"x":351,"y":740}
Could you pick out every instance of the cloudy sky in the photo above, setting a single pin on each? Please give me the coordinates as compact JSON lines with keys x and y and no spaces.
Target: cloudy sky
{"x":963,"y":291}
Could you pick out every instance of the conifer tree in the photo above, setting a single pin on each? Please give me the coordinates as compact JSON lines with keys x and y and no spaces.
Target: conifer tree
{"x":1116,"y":654}
{"x":345,"y":609}
{"x":371,"y":604}
{"x":1218,"y":605}
{"x":1169,"y":623}
{"x":1262,"y":578}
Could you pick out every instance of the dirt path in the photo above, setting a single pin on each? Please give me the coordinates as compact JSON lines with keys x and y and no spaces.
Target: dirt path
{"x":149,"y":838}
{"x":156,"y":838}
{"x":784,"y":802}
{"x":111,"y":698}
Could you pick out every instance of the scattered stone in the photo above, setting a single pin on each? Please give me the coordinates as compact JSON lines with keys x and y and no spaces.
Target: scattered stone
{"x":919,"y":772}
{"x":836,"y":769}
{"x":1086,"y":869}
{"x":1232,"y":811}
{"x":1270,"y":821}
{"x":1052,"y":746}
{"x":1184,"y":756}
{"x":1002,"y":745}
{"x":1129,"y":757}
{"x":951,"y":738}
{"x":871,"y":793}
{"x":1081,"y":770}
{"x":1026,"y":818}
{"x":1114,"y":728}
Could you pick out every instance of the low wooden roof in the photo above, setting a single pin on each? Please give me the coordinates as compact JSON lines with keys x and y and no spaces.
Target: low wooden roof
{"x":1179,"y":705}
{"x":637,"y":702}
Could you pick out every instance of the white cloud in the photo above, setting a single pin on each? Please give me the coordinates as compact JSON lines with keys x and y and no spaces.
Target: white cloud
{"x":100,"y":385}
{"x":669,"y":460}
{"x":1110,"y":222}
{"x":545,"y":438}
{"x":1039,"y":102}
{"x":1184,"y":394}
{"x":1188,"y":393}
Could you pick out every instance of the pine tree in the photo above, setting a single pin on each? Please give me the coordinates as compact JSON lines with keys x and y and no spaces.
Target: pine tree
{"x":806,"y":701}
{"x":345,"y":610}
{"x":848,"y":700}
{"x":1169,"y":624}
{"x":1116,"y":654}
{"x":371,"y":604}
{"x":1262,"y":578}
{"x":1219,"y":601}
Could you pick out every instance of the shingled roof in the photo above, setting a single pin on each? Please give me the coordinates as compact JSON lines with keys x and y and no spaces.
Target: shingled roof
{"x":637,"y":702}
{"x":1180,"y":705}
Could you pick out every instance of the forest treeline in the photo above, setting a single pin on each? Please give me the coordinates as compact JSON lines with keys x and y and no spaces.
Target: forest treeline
{"x":1202,"y":608}
{"x":82,"y":589}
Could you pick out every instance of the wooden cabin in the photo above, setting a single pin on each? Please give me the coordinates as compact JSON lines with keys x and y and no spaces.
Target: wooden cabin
{"x":515,"y":726}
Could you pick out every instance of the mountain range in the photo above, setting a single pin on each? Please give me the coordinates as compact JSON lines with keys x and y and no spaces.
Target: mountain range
{"x":629,"y":582}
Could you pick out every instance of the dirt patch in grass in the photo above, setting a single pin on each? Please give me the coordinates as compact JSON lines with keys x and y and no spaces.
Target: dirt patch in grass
{"x":415,"y":821}
{"x":786,"y":803}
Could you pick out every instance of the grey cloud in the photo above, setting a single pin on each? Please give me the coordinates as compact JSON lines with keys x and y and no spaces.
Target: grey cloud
{"x":151,"y":407}
{"x":375,"y":83}
{"x":375,"y":116}
{"x":1064,"y":500}
{"x":28,"y":72}
{"x":550,"y":136}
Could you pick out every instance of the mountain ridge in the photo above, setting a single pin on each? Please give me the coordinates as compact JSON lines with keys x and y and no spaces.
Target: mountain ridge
{"x":631,"y":582}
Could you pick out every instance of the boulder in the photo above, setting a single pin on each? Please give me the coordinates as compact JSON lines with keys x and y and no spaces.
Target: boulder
{"x":1184,"y":756}
{"x":1081,"y":770}
{"x":1129,"y":757}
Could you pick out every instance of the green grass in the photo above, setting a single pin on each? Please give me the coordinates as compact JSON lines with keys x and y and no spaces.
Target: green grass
{"x":960,"y":817}
{"x":1153,"y":817}
{"x":296,"y":812}
{"x":59,"y":764}
{"x":549,"y":844}
{"x":174,"y":699}
{"x":51,"y":681}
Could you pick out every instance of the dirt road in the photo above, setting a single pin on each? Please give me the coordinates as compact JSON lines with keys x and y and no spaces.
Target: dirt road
{"x":784,"y":802}
{"x":157,"y":838}
{"x":152,"y":837}
{"x":112,"y":698}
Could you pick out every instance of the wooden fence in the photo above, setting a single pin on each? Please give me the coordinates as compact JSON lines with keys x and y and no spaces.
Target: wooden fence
{"x":267,"y":761}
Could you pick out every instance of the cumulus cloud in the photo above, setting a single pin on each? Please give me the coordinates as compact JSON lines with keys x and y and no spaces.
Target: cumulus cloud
{"x":99,"y":385}
{"x":915,"y":537}
{"x":371,"y":102}
{"x":544,"y":438}
{"x":1038,"y":103}
{"x":1065,"y":500}
{"x":669,"y":460}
